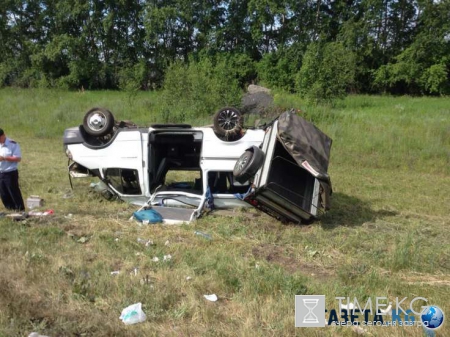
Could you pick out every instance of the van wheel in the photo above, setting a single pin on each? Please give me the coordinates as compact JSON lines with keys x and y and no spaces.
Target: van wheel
{"x":98,"y":122}
{"x":228,"y":124}
{"x":248,"y":164}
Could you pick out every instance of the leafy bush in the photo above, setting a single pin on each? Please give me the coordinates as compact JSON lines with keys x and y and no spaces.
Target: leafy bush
{"x":413,"y":70}
{"x":134,"y":77}
{"x":327,"y":71}
{"x":278,"y":69}
{"x":239,"y":66}
{"x":435,"y":79}
{"x":197,"y":89}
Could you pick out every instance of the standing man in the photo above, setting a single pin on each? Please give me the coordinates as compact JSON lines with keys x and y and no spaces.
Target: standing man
{"x":10,"y":156}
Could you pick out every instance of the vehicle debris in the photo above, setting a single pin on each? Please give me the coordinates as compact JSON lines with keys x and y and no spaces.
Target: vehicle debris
{"x":42,"y":213}
{"x":34,"y":201}
{"x":17,"y":216}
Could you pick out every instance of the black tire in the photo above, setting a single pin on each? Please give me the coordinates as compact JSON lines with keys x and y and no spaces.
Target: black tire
{"x":98,"y":122}
{"x":248,"y":164}
{"x":228,"y":123}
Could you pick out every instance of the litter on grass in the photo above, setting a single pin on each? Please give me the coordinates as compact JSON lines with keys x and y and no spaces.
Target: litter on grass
{"x":145,"y":242}
{"x":133,"y":314}
{"x":35,"y":334}
{"x":17,"y":216}
{"x":34,"y":201}
{"x":359,"y":331}
{"x":148,"y":216}
{"x":211,"y":298}
{"x":167,"y":257}
{"x":204,"y":235}
{"x":44,"y":213}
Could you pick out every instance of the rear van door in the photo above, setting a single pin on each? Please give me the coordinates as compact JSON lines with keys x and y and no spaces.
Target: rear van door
{"x":287,"y":185}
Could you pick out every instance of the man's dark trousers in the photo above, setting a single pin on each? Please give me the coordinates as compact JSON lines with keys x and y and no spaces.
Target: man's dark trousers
{"x":10,"y":191}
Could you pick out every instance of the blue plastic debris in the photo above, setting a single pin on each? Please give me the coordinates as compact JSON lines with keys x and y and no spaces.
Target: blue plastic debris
{"x":148,"y":216}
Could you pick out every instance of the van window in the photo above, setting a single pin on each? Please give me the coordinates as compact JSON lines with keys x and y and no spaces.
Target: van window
{"x":125,"y":181}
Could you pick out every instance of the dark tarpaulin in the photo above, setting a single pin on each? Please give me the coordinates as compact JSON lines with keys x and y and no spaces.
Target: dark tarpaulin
{"x":309,"y":147}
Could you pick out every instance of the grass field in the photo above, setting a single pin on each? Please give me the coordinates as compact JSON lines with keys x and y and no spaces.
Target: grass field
{"x":386,"y":235}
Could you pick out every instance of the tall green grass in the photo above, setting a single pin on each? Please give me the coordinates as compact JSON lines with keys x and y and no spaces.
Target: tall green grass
{"x":395,"y":133}
{"x":385,"y":132}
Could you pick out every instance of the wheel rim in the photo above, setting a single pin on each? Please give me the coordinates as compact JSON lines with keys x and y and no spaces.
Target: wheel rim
{"x":242,"y":162}
{"x":228,"y":119}
{"x":97,"y":121}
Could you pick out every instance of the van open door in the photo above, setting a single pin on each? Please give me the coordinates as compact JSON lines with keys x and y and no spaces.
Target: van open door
{"x":123,"y":166}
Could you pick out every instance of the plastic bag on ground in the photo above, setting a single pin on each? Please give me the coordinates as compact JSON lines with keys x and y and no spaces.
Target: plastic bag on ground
{"x":148,"y":216}
{"x":133,"y":314}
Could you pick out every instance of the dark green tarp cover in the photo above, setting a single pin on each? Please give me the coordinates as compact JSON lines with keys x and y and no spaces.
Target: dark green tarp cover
{"x":309,"y":147}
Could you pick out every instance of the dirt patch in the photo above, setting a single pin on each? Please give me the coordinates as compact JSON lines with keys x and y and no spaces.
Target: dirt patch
{"x":285,"y":259}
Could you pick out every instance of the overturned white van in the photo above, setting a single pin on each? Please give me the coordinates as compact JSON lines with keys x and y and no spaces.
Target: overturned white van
{"x":180,"y":170}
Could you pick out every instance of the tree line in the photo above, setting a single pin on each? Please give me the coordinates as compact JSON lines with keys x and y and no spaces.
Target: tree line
{"x":363,"y":46}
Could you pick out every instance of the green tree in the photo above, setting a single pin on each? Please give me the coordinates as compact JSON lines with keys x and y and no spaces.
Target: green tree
{"x":198,"y":89}
{"x":278,"y":69}
{"x":328,"y":70}
{"x":423,"y":67}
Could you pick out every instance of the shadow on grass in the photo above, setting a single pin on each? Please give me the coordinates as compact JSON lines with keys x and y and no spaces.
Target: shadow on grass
{"x":350,"y":211}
